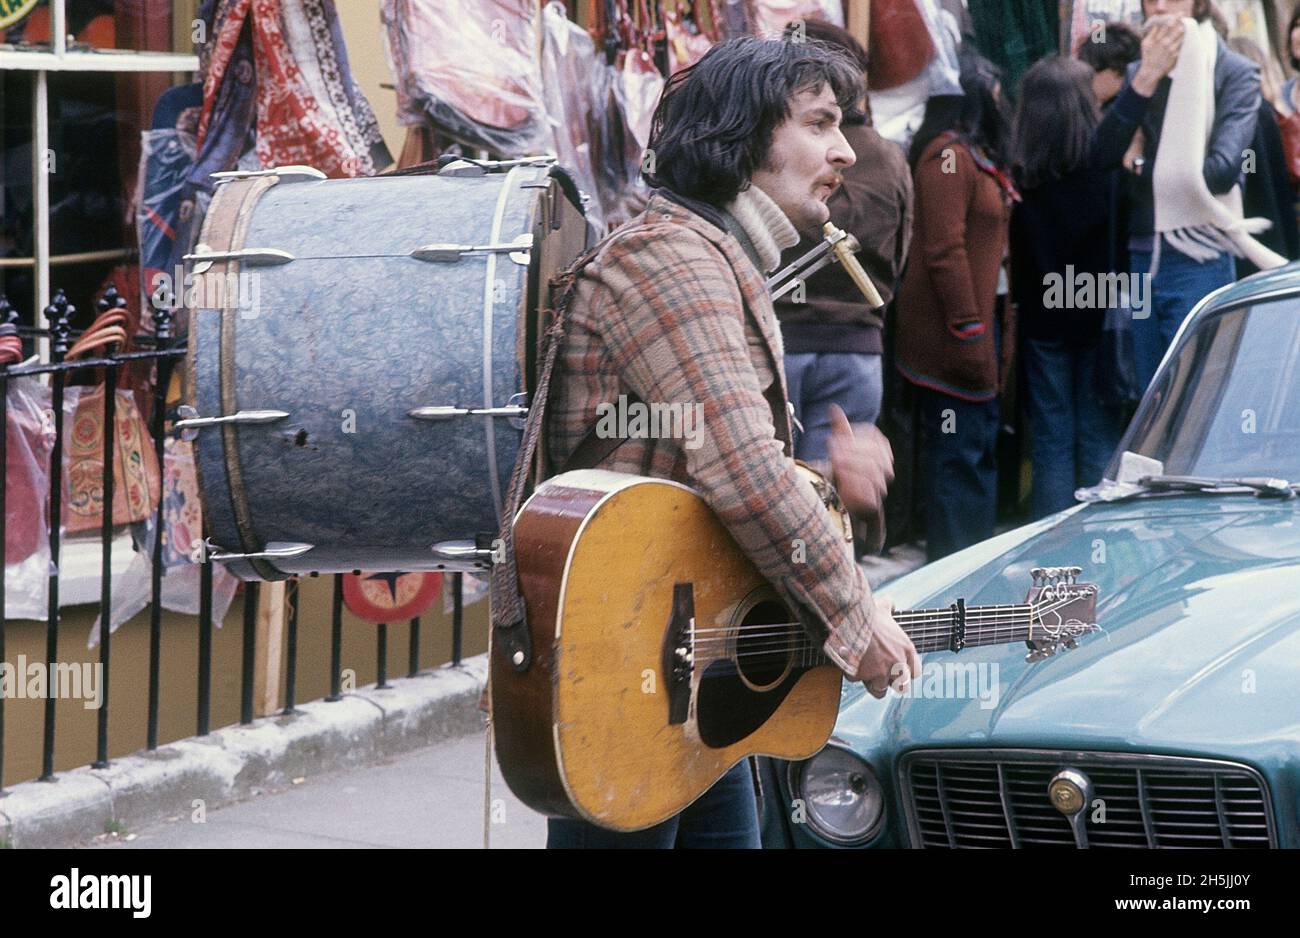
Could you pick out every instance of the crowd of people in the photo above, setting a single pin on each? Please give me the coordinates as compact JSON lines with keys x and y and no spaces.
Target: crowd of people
{"x":999,"y":232}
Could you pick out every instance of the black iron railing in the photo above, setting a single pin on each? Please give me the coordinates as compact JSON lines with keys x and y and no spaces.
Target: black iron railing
{"x":164,"y":351}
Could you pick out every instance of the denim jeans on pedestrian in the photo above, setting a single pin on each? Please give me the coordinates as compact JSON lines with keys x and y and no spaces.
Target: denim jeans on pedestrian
{"x":959,"y":470}
{"x":816,"y":380}
{"x":726,"y":816}
{"x":1179,"y":284}
{"x":1072,"y":433}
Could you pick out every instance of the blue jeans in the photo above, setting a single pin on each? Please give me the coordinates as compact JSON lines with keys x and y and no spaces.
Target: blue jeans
{"x":817,"y":380}
{"x":1179,"y":284}
{"x":725,"y":816}
{"x":1074,"y":434}
{"x":959,"y":471}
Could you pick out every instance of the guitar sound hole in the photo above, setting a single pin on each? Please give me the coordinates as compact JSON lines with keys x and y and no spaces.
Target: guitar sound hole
{"x":763,"y":655}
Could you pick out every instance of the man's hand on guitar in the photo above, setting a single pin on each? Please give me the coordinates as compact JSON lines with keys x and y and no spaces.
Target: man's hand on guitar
{"x":891,"y":659}
{"x":862,"y":464}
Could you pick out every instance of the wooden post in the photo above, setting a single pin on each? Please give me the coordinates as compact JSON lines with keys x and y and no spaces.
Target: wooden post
{"x":268,"y":653}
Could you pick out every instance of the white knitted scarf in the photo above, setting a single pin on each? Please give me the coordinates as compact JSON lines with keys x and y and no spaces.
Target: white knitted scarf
{"x":1194,"y":221}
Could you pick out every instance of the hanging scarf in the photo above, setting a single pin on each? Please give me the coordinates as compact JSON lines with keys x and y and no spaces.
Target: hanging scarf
{"x":1193,"y":220}
{"x":279,"y":68}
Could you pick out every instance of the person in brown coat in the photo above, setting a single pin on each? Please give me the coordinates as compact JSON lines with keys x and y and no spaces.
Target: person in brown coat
{"x":948,"y":335}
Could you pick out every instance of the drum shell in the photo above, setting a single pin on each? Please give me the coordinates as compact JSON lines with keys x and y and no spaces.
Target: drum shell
{"x":348,"y":338}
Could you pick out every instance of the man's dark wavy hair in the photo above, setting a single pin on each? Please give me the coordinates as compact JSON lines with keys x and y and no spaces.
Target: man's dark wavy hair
{"x":714,"y":123}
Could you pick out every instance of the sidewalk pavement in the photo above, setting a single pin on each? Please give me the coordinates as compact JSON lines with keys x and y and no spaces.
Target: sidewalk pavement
{"x":428,"y":798}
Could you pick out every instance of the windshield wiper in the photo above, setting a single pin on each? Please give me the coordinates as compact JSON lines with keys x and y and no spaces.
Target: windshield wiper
{"x":1273,"y":488}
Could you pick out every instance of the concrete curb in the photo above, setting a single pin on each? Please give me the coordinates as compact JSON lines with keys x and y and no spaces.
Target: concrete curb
{"x":238,"y":762}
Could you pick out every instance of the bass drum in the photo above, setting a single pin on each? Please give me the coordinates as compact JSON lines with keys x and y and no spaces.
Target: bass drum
{"x":359,"y":353}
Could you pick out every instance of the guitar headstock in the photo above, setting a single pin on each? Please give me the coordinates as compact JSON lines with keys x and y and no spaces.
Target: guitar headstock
{"x":1061,"y":609}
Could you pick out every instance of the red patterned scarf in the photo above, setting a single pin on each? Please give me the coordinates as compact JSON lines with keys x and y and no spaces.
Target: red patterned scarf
{"x":308,"y":108}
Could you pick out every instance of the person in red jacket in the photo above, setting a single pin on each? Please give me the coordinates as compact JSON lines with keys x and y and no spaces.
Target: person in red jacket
{"x":948,"y":337}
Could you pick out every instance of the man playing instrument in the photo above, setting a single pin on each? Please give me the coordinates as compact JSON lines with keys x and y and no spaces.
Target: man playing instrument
{"x":744,"y":152}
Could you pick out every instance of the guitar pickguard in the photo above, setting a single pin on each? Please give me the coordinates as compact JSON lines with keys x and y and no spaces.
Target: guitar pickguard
{"x":727,"y":709}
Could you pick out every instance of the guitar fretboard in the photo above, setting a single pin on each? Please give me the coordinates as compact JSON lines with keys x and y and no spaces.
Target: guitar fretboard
{"x":930,"y":630}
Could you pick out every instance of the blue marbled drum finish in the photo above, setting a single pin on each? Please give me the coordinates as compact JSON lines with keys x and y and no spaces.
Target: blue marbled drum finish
{"x":352,"y":335}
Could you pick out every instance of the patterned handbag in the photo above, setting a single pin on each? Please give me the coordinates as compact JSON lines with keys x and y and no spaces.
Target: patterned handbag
{"x":137,"y":483}
{"x":136,"y":479}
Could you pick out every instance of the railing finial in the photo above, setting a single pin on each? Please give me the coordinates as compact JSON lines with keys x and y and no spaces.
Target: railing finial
{"x":59,"y":315}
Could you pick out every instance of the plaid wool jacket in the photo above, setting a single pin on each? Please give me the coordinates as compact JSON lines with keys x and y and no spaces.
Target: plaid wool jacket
{"x":672,"y":311}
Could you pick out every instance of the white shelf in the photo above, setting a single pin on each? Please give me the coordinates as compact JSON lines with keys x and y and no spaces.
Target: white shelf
{"x":29,"y":61}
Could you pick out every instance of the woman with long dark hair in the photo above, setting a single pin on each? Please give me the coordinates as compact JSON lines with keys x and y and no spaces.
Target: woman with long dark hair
{"x":948,"y":336}
{"x":1062,"y":237}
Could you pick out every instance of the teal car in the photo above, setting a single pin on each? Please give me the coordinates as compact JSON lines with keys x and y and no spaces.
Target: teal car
{"x":1177,"y":722}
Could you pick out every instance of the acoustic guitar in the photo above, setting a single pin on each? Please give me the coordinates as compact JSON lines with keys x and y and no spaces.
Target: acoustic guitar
{"x":662,"y":657}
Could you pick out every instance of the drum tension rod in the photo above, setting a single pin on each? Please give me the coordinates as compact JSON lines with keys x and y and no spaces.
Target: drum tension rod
{"x":281,"y":550}
{"x":516,"y":408}
{"x":204,"y":257}
{"x":446,"y":253}
{"x":464,"y":554}
{"x":464,"y":166}
{"x":285,"y":174}
{"x":190,"y":423}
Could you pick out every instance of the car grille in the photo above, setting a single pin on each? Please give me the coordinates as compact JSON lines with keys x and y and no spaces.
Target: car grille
{"x":999,"y":799}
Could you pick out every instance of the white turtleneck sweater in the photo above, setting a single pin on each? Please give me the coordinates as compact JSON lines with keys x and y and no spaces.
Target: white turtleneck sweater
{"x":770,"y":232}
{"x":767,"y":226}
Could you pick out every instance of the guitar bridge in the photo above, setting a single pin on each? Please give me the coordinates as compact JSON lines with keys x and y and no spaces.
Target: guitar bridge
{"x":678,"y":662}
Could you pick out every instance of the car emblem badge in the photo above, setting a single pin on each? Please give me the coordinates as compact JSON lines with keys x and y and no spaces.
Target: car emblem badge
{"x":1069,"y":791}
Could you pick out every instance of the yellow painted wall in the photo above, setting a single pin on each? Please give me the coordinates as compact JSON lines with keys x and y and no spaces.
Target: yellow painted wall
{"x":363,"y":36}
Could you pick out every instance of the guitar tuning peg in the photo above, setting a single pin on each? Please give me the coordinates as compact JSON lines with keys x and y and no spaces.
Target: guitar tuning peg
{"x":1037,"y":574}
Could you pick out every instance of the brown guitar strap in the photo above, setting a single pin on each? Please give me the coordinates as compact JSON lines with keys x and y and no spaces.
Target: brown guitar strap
{"x":509,"y":622}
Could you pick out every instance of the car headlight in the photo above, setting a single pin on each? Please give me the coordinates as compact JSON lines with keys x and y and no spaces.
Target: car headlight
{"x":842,"y":799}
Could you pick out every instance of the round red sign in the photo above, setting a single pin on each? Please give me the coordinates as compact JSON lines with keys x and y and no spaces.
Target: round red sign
{"x":390,"y":597}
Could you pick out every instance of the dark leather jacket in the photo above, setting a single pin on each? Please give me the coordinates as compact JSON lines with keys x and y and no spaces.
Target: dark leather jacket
{"x":1236,"y":111}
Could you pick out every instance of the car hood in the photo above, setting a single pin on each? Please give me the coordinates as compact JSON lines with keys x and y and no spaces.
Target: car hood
{"x":1199,"y":607}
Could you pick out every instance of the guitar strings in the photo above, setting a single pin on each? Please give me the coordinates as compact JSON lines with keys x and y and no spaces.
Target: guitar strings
{"x":972,"y":618}
{"x":993,"y":622}
{"x":902,"y":617}
{"x":778,"y":638}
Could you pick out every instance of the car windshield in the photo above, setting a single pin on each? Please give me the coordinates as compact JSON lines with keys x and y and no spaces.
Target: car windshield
{"x":1228,"y":404}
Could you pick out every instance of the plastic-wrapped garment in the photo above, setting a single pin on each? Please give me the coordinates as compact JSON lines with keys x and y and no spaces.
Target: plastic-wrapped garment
{"x":29,"y":440}
{"x":288,"y":67}
{"x":770,"y":16}
{"x":133,"y":589}
{"x":637,"y":86}
{"x":618,"y":149}
{"x":470,"y":66}
{"x":568,"y":61}
{"x":686,"y":42}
